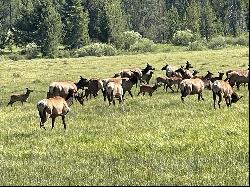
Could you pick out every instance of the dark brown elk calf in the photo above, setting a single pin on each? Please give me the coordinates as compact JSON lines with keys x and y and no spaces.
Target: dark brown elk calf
{"x":149,"y":89}
{"x":20,"y":97}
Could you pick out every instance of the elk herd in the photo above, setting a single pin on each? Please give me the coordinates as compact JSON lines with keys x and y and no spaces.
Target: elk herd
{"x":61,"y":94}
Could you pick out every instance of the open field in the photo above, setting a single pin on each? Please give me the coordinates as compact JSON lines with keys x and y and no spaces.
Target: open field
{"x":155,"y":141}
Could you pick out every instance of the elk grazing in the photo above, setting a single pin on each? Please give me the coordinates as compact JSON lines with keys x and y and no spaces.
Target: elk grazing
{"x":93,"y":88}
{"x":129,"y":73}
{"x":114,"y":90}
{"x":236,"y":78}
{"x":149,"y":89}
{"x":186,"y":74}
{"x":173,"y":81}
{"x":147,"y":76}
{"x":188,"y":66}
{"x":208,"y":76}
{"x":239,"y":71}
{"x":222,"y":88}
{"x":83,"y":82}
{"x":54,"y":107}
{"x":138,"y":72}
{"x":169,"y":69}
{"x":213,"y":79}
{"x":20,"y":97}
{"x":127,"y":84}
{"x":62,"y":88}
{"x":192,"y":87}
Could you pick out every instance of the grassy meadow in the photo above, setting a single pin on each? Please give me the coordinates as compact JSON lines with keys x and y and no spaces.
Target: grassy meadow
{"x":154,"y":141}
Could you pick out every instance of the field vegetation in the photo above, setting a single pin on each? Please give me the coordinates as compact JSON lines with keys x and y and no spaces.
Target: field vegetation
{"x":154,"y":141}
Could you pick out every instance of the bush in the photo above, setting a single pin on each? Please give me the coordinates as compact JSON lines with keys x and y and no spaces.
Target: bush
{"x":64,"y":54}
{"x":183,"y":38}
{"x":16,"y":57}
{"x":143,"y":45}
{"x":196,"y":46}
{"x":96,"y":49}
{"x":127,"y":39}
{"x":217,"y":43}
{"x":31,"y":51}
{"x":241,"y":40}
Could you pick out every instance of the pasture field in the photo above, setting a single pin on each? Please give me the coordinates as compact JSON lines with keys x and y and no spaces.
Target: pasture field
{"x":155,"y":141}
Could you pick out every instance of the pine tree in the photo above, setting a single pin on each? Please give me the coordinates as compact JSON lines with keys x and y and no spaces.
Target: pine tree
{"x":4,"y":22}
{"x":49,"y":28}
{"x":115,"y":19}
{"x":98,"y":23}
{"x":75,"y":24}
{"x":233,"y":17}
{"x":207,"y":26}
{"x":193,"y":16}
{"x":172,"y":22}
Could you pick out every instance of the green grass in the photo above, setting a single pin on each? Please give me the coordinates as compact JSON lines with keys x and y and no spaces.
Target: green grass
{"x":155,"y":141}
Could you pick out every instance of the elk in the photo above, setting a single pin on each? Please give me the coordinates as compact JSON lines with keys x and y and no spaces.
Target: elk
{"x":192,"y":87}
{"x":149,"y":89}
{"x":221,"y":89}
{"x":19,"y":97}
{"x":114,"y":90}
{"x":54,"y":107}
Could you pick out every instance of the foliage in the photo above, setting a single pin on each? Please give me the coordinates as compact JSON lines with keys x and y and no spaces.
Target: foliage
{"x":183,"y":37}
{"x":241,"y":40}
{"x":173,"y":22}
{"x":196,"y":46}
{"x":115,"y":19}
{"x":217,"y":43}
{"x":50,"y":28}
{"x":96,"y":49}
{"x":84,"y":21}
{"x":31,"y":51}
{"x":75,"y":25}
{"x":142,"y":45}
{"x":16,"y":57}
{"x":127,"y":39}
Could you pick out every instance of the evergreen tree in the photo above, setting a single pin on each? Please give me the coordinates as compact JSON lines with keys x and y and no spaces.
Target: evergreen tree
{"x":172,"y":22}
{"x":75,"y":24}
{"x":193,"y":16}
{"x":207,"y":26}
{"x":98,"y":22}
{"x":146,"y":17}
{"x":233,"y":17}
{"x":49,"y":28}
{"x":115,"y":19}
{"x":4,"y":22}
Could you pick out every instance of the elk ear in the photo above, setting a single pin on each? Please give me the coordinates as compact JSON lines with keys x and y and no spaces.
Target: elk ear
{"x":240,"y":97}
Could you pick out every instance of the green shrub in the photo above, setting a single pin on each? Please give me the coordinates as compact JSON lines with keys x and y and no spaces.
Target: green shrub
{"x":31,"y":51}
{"x":127,"y":39}
{"x":242,"y":40}
{"x":143,"y":45}
{"x":64,"y":54}
{"x":217,"y":43}
{"x":16,"y":57}
{"x":196,"y":46}
{"x":96,"y":49}
{"x":183,"y":37}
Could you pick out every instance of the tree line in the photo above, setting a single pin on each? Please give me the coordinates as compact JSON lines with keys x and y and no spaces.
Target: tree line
{"x":76,"y":23}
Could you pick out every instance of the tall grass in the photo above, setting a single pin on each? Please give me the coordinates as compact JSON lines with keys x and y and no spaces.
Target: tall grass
{"x":155,"y":141}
